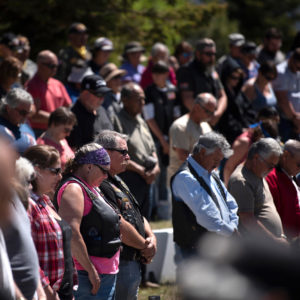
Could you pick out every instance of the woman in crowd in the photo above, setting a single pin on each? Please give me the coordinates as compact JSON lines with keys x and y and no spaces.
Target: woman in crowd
{"x":258,"y":90}
{"x":267,"y":126}
{"x":238,"y":115}
{"x":60,"y":125}
{"x":50,"y":233}
{"x":183,"y":53}
{"x":10,"y":73}
{"x":95,"y":224}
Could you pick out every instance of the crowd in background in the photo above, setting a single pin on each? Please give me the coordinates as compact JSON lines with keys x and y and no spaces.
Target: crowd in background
{"x":53,"y":108}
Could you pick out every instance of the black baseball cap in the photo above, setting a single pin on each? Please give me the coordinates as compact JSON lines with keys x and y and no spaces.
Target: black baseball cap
{"x":95,"y":84}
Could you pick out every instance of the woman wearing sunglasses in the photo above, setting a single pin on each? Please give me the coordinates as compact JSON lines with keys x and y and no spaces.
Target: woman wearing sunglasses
{"x":50,"y":233}
{"x":95,"y":224}
{"x":60,"y":125}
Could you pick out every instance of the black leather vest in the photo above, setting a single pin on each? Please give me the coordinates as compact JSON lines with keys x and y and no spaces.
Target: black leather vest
{"x":100,"y":228}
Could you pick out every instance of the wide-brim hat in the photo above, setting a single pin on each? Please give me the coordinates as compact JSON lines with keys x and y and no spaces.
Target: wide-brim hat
{"x":110,"y":71}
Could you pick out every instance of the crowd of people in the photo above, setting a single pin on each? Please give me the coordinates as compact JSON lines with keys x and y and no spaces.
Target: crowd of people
{"x":91,"y":152}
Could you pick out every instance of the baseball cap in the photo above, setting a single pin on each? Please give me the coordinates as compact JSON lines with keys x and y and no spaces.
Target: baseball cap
{"x":103,"y":44}
{"x":11,"y":41}
{"x":236,"y":39}
{"x":77,"y":28}
{"x":249,"y":47}
{"x":94,"y":84}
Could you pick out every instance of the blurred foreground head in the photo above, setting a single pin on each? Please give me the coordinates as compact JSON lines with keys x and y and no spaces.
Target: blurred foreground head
{"x":241,"y":269}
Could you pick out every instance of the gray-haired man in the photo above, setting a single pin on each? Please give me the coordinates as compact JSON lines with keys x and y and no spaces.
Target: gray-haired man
{"x":201,"y":202}
{"x":16,"y":107}
{"x":257,"y":211}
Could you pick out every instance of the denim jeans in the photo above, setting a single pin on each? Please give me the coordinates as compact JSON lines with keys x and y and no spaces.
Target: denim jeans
{"x":105,"y":292}
{"x":128,"y":280}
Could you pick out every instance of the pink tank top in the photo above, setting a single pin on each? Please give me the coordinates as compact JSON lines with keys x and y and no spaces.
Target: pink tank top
{"x":103,"y":265}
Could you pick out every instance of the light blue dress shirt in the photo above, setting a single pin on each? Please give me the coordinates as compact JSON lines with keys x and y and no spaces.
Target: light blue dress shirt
{"x":186,"y":188}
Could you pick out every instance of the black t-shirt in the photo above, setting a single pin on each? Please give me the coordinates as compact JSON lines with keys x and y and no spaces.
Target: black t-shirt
{"x":88,"y":125}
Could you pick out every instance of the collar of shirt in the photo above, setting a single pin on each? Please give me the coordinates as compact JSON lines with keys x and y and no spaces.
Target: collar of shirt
{"x":40,"y":200}
{"x":198,"y":168}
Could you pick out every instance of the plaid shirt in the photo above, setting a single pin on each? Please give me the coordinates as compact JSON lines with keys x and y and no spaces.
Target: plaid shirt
{"x":48,"y":240}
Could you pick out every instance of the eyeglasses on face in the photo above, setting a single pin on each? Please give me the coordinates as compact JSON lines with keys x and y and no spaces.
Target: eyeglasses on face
{"x":23,"y":112}
{"x":209,"y":53}
{"x":124,"y":152}
{"x":103,"y":170}
{"x":50,"y":66}
{"x":54,"y":171}
{"x":269,"y":165}
{"x":207,"y":111}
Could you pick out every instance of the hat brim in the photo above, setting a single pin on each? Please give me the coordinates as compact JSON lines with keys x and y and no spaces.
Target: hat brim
{"x":114,"y":74}
{"x":238,"y":43}
{"x":104,"y":48}
{"x":135,"y":49}
{"x":101,"y":91}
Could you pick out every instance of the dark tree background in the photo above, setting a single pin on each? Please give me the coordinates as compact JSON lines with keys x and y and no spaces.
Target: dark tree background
{"x":45,"y":22}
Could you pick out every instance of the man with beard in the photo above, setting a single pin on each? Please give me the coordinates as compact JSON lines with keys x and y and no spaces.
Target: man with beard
{"x":287,"y":90}
{"x":257,"y":211}
{"x":199,"y":76}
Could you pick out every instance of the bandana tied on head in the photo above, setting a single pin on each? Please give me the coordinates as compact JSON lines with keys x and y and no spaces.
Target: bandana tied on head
{"x":97,"y":157}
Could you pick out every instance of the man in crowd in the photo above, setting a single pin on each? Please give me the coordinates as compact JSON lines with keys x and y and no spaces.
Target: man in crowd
{"x":201,"y":202}
{"x":287,"y":91}
{"x":91,"y":116}
{"x":101,"y":51}
{"x":199,"y":76}
{"x":143,"y":166}
{"x":9,"y":45}
{"x":139,"y":242}
{"x":257,"y":211}
{"x":75,"y":53}
{"x":236,"y":40}
{"x":284,"y":189}
{"x":185,"y":131}
{"x":48,"y":93}
{"x":270,"y":50}
{"x":16,"y":107}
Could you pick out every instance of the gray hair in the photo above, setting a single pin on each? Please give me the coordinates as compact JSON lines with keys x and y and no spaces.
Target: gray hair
{"x":292,"y":146}
{"x":158,"y":47}
{"x":24,"y":171}
{"x":108,"y":138}
{"x":265,"y":147}
{"x":15,"y":97}
{"x":205,"y":98}
{"x":212,"y":141}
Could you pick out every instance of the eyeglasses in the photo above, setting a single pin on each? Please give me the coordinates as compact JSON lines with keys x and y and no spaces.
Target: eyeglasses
{"x":209,"y":53}
{"x":210,"y":113}
{"x":54,"y":171}
{"x":269,"y":165}
{"x":186,"y":54}
{"x":23,"y":112}
{"x":124,"y":152}
{"x":103,"y":170}
{"x":50,"y":66}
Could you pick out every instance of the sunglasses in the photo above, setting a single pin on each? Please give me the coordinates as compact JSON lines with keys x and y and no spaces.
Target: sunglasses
{"x":209,"y":53}
{"x":103,"y":170}
{"x":210,"y":113}
{"x":23,"y":112}
{"x":54,"y":171}
{"x":124,"y":152}
{"x":50,"y":66}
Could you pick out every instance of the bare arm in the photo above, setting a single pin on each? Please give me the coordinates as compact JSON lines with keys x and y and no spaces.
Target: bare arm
{"x":221,"y":107}
{"x":149,"y":252}
{"x":157,"y":132}
{"x":240,"y":148}
{"x":130,"y":236}
{"x":71,"y":210}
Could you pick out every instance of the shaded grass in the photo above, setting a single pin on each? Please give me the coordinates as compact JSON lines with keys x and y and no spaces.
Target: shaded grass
{"x":166,"y":292}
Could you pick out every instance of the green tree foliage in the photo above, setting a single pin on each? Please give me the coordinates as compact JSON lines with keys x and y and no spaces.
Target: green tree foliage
{"x":45,"y":22}
{"x":255,"y":16}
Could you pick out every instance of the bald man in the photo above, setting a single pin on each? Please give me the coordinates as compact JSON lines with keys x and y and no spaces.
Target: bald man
{"x":48,"y":93}
{"x":185,"y":131}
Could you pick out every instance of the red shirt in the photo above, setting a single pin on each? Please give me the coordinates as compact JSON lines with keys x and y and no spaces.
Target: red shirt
{"x":147,"y":76}
{"x":48,"y":239}
{"x":286,"y":201}
{"x":48,"y":96}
